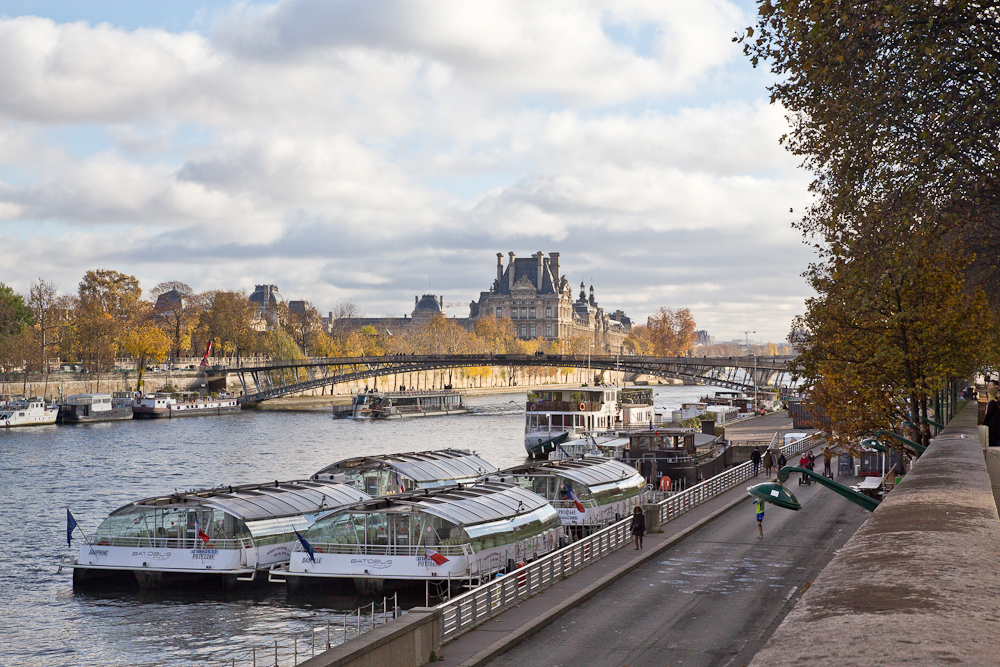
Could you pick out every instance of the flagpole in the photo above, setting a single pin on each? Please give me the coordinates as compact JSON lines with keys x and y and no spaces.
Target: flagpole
{"x":80,"y":528}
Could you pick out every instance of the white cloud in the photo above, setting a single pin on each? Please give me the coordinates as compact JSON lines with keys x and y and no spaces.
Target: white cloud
{"x":368,"y":150}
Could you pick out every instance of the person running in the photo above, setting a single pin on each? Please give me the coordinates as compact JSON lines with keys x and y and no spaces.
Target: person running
{"x":638,"y":526}
{"x":758,"y":505}
{"x":755,"y":457}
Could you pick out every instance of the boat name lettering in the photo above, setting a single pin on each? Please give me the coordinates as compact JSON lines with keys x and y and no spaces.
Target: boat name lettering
{"x":98,"y":552}
{"x":153,"y":555}
{"x":372,"y":562}
{"x":282,"y":550}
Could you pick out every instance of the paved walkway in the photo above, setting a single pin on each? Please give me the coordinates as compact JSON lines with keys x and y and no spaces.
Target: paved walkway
{"x":479,"y":646}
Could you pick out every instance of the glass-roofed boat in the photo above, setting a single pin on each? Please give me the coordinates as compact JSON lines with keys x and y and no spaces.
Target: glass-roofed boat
{"x":462,"y":535}
{"x":229,"y":533}
{"x":588,"y":493}
{"x":389,"y":474}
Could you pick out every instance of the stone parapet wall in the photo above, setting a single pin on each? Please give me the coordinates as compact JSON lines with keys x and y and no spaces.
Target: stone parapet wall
{"x":919,"y":583}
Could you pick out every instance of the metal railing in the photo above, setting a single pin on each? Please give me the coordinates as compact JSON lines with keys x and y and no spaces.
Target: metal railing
{"x":466,"y":611}
{"x":167,"y":542}
{"x":340,"y":628}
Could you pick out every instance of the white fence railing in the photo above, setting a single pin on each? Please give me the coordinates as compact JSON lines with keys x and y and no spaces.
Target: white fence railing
{"x":290,"y":650}
{"x":466,"y":611}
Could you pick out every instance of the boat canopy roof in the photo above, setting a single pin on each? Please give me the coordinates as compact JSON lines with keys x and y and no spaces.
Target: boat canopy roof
{"x":465,"y":506}
{"x":445,"y":465}
{"x":592,"y":472}
{"x":256,"y":502}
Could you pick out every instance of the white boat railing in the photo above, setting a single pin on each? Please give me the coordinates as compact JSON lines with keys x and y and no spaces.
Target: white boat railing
{"x":466,"y":611}
{"x":168,"y":542}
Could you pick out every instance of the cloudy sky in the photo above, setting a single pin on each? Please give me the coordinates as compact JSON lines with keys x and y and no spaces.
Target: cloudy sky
{"x":377,"y":150}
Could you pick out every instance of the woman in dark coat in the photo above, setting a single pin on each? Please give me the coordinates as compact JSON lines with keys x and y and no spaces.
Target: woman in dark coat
{"x":992,"y":418}
{"x":638,"y":526}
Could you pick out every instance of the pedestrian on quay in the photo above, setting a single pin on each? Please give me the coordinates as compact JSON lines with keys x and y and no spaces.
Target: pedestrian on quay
{"x":758,"y":506}
{"x":755,"y":457}
{"x":638,"y":526}
{"x":782,"y":461}
{"x":768,"y":463}
{"x":827,"y":457}
{"x":992,"y":418}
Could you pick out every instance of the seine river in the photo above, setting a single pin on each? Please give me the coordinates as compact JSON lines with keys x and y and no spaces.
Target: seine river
{"x":95,"y":469}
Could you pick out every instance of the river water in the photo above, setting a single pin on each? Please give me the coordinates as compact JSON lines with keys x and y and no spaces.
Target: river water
{"x":95,"y":469}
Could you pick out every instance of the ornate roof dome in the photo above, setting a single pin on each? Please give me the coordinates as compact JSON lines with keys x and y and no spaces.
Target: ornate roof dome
{"x":427,"y":302}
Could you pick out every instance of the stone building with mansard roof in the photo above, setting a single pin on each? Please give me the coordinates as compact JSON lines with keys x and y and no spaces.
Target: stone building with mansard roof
{"x":532,"y":293}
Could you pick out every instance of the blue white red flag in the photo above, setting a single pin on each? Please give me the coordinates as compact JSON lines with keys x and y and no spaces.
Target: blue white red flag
{"x":576,"y":501}
{"x":201,"y":534}
{"x":305,"y":545}
{"x":435,"y":556}
{"x":399,"y":483}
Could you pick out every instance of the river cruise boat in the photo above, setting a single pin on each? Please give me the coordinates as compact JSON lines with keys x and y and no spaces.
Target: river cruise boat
{"x":229,"y":534}
{"x":168,"y":406}
{"x":87,"y":408}
{"x":28,"y":412}
{"x":588,"y":493}
{"x":459,"y":535}
{"x":401,"y":404}
{"x":389,"y":474}
{"x":579,"y":411}
{"x":682,"y":455}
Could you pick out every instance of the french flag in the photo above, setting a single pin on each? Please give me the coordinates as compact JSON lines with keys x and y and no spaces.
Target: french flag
{"x":435,"y":556}
{"x":199,"y":532}
{"x":399,"y":482}
{"x":576,"y":501}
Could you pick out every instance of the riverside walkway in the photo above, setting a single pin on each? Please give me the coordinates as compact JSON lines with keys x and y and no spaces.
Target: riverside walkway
{"x":703,"y":592}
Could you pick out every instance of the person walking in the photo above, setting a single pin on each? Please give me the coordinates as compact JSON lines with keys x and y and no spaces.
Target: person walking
{"x":992,"y":418}
{"x":768,"y":463}
{"x":638,"y":526}
{"x":827,"y":457}
{"x":758,"y":505}
{"x":782,"y":461}
{"x":755,"y":457}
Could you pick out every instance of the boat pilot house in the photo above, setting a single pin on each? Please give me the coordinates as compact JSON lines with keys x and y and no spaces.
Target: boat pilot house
{"x":682,"y":455}
{"x":389,"y":474}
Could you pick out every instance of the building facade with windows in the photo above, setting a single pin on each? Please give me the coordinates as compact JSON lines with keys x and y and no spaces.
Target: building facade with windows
{"x":539,"y":301}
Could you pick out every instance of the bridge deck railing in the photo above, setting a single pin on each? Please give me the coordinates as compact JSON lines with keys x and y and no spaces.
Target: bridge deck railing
{"x":466,"y":611}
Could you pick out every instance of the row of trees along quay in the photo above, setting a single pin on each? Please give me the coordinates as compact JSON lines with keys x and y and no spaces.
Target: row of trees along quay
{"x":107,"y":321}
{"x":894,"y":107}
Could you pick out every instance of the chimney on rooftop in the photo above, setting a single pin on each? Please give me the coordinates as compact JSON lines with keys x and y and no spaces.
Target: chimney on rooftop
{"x":538,"y":272}
{"x":499,"y":268}
{"x":510,"y":270}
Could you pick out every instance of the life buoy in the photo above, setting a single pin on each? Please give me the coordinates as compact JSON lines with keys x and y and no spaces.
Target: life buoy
{"x":532,"y":406}
{"x":664,"y":483}
{"x":582,"y":407}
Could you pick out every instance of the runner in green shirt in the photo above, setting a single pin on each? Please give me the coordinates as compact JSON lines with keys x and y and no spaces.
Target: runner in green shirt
{"x":758,"y":505}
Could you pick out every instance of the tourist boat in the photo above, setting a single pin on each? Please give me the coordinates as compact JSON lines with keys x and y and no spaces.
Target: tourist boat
{"x":86,"y":408}
{"x":682,"y":455}
{"x":28,"y":412}
{"x":227,"y":533}
{"x":400,"y":404}
{"x":190,"y":404}
{"x":389,"y":474}
{"x":587,"y":493}
{"x":579,"y":411}
{"x":459,"y":534}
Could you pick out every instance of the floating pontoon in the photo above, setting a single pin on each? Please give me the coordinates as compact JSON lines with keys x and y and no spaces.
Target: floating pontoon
{"x":388,"y":474}
{"x":230,"y":533}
